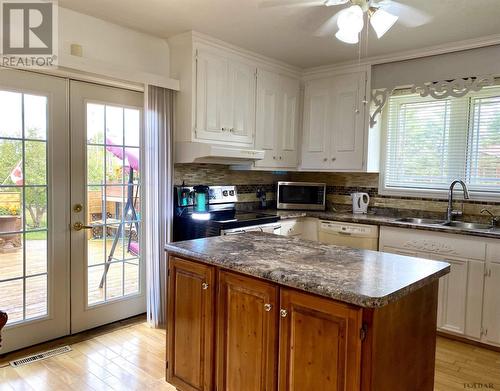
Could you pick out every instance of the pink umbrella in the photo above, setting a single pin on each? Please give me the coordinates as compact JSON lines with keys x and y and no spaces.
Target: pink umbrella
{"x":131,"y":154}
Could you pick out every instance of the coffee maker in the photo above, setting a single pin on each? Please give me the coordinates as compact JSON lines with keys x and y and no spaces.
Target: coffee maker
{"x":184,"y":195}
{"x":201,"y":198}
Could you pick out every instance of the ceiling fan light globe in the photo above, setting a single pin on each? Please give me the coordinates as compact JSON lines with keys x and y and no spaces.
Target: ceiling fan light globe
{"x":382,"y":21}
{"x":351,"y":19}
{"x":347,"y":36}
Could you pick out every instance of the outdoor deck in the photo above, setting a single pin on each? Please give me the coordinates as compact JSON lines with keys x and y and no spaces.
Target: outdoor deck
{"x":11,"y":266}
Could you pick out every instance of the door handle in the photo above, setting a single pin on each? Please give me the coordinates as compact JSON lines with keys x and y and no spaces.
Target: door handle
{"x":78,"y":226}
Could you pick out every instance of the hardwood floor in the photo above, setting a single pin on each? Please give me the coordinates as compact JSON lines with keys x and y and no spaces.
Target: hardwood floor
{"x":461,"y":366}
{"x":130,"y":356}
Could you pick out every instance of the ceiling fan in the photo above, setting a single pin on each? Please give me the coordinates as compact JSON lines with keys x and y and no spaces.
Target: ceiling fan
{"x":350,"y":21}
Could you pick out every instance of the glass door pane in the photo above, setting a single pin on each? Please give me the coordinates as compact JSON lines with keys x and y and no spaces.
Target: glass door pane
{"x":23,"y":205}
{"x":113,"y":202}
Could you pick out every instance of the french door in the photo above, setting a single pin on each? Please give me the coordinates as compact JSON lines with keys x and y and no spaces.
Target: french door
{"x":107,"y":270}
{"x":70,"y":206}
{"x":34,"y":203}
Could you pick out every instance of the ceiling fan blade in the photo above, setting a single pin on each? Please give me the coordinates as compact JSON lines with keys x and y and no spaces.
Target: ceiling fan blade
{"x":408,"y":16}
{"x":329,"y":27}
{"x":330,"y":3}
{"x":290,"y":3}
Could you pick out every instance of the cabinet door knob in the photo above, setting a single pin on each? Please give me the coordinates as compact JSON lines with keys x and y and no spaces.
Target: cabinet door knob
{"x":356,"y":111}
{"x":283,"y":313}
{"x":268,"y":307}
{"x":325,"y":159}
{"x":333,"y":159}
{"x":204,"y":286}
{"x":274,"y":157}
{"x":280,"y":157}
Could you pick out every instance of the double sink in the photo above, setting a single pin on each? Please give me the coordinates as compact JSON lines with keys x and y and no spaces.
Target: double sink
{"x":442,"y":223}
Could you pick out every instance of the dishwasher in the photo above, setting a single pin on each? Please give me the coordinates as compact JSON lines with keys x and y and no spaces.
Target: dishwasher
{"x":349,"y":234}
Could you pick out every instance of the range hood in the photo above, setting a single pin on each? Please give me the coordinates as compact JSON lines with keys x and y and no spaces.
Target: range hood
{"x":195,"y":152}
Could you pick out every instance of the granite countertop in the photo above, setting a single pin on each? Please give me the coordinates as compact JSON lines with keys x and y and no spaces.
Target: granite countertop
{"x":369,"y":279}
{"x":378,"y":219}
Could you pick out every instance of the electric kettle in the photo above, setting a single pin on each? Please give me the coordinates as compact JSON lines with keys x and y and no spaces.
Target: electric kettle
{"x":360,"y":203}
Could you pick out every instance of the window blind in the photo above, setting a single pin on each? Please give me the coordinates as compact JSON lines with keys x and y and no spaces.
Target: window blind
{"x":432,"y":142}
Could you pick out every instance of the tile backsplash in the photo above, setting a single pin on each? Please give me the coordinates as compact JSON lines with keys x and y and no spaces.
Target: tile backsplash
{"x":339,"y":188}
{"x":246,"y":182}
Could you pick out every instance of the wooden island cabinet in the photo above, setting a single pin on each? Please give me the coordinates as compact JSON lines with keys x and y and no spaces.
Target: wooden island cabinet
{"x":232,"y":332}
{"x":191,"y":311}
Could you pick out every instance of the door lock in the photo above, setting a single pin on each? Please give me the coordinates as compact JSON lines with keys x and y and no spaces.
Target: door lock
{"x":77,"y":208}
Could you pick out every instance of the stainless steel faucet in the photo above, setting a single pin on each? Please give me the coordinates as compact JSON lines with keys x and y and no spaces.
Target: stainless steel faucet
{"x":450,"y":212}
{"x":494,"y":219}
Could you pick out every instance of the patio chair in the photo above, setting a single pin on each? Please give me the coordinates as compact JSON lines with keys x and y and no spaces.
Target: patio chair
{"x":3,"y":322}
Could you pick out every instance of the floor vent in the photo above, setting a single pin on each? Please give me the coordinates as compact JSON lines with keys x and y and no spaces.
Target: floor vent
{"x":40,"y":356}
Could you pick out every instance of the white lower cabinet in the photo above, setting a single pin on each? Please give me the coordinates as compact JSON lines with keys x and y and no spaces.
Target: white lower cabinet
{"x":461,"y":296}
{"x":463,"y":307}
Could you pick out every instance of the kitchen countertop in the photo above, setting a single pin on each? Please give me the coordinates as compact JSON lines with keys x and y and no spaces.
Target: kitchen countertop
{"x":378,"y":219}
{"x":369,"y":279}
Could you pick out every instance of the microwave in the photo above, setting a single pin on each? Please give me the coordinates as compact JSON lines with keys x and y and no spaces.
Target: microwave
{"x":301,"y":195}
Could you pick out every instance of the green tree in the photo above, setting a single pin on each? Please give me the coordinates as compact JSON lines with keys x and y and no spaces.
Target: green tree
{"x":35,"y":198}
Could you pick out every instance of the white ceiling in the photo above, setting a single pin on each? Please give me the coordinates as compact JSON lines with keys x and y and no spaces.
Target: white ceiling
{"x":287,"y":33}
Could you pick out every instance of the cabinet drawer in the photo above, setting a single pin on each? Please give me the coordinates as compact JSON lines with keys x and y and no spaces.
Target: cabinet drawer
{"x":413,"y":240}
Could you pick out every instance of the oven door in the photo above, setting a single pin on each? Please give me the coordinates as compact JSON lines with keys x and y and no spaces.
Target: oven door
{"x":299,"y":195}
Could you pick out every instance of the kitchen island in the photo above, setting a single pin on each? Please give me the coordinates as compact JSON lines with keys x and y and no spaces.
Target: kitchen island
{"x":264,"y":312}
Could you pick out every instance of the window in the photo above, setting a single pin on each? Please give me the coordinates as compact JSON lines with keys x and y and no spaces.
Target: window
{"x":430,"y":143}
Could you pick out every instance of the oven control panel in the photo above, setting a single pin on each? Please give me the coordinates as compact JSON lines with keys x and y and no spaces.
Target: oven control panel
{"x":223,"y":194}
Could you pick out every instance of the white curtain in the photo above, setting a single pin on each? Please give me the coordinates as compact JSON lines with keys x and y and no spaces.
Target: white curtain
{"x":158,"y":189}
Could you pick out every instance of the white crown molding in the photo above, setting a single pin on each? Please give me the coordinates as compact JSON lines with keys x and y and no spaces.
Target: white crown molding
{"x":287,"y":69}
{"x":451,"y":47}
{"x":341,"y":67}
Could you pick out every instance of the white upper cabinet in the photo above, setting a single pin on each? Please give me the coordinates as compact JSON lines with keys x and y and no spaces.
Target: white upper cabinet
{"x":211,"y":96}
{"x":225,"y":98}
{"x":347,"y":144}
{"x":216,"y":103}
{"x":335,"y":123}
{"x":267,"y":116}
{"x":235,"y":107}
{"x":241,"y":102}
{"x":277,"y":119}
{"x":317,"y":122}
